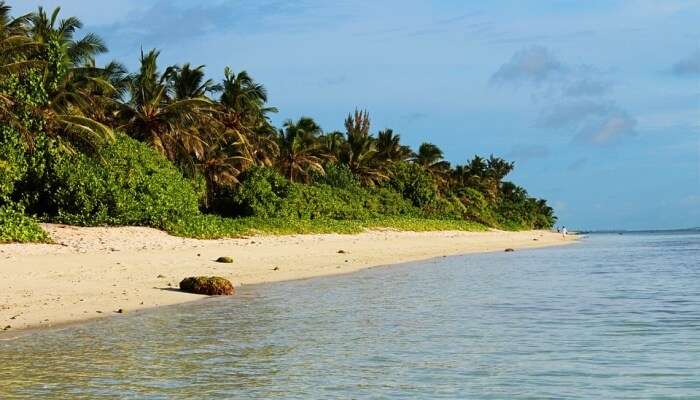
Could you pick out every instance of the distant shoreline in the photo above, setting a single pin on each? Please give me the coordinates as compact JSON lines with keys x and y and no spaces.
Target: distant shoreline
{"x":93,"y":272}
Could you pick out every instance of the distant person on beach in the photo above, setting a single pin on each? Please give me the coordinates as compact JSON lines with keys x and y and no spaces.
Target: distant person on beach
{"x":563,"y":231}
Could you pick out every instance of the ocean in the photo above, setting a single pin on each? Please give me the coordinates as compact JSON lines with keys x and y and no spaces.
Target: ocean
{"x":612,"y":317}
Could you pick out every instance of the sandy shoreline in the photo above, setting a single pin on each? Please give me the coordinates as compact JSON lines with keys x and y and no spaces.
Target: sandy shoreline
{"x":93,"y":272}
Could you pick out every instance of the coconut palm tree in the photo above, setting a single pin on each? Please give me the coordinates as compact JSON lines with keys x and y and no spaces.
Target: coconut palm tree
{"x":389,"y":147}
{"x":219,"y":170}
{"x":430,"y":157}
{"x":71,"y":79}
{"x":497,"y":168}
{"x":189,"y":83}
{"x":334,"y":145}
{"x":244,"y":115}
{"x":300,"y":149}
{"x":15,"y":46}
{"x":171,"y":126}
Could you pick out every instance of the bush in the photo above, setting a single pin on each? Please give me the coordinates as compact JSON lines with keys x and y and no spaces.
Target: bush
{"x":386,"y":201}
{"x":13,"y":165}
{"x":260,"y":194}
{"x":476,"y":207}
{"x":17,"y":227}
{"x":264,"y":193}
{"x":338,"y":176}
{"x":125,"y":183}
{"x":414,"y":183}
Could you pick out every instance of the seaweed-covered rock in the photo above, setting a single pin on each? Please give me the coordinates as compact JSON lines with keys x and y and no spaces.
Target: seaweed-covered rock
{"x":225,"y":260}
{"x":509,"y":250}
{"x":208,"y":285}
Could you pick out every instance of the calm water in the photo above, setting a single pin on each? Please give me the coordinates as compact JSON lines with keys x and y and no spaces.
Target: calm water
{"x":612,"y":317}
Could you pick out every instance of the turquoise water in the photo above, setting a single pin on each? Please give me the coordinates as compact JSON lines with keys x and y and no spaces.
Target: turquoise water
{"x":614,"y":317}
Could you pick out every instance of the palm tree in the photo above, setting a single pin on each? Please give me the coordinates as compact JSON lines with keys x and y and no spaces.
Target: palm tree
{"x":300,"y":149}
{"x":71,"y":79}
{"x":171,"y":126}
{"x":430,"y":157}
{"x":15,"y":44}
{"x":14,"y":48}
{"x":389,"y":148}
{"x":47,"y":29}
{"x":219,"y":170}
{"x":244,"y":116}
{"x":361,"y":152}
{"x":334,"y":145}
{"x":498,"y":168}
{"x":189,"y":83}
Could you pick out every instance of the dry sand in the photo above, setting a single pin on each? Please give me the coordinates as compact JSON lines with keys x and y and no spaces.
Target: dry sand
{"x":93,"y":272}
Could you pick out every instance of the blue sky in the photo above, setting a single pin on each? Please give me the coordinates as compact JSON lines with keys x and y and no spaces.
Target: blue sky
{"x":598,"y":102}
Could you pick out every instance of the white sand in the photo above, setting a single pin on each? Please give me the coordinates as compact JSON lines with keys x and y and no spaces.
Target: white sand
{"x":93,"y":272}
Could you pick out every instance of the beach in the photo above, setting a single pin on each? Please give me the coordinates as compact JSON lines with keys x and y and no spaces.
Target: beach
{"x":97,"y":272}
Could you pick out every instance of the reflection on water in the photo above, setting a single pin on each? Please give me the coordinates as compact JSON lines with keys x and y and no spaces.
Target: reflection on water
{"x":613,"y":317}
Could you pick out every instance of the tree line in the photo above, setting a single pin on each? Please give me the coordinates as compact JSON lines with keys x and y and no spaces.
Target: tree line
{"x":57,"y":102}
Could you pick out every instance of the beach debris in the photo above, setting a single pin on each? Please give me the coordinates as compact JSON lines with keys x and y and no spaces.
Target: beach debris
{"x":509,"y":250}
{"x":341,"y":252}
{"x":208,"y":285}
{"x":276,"y":269}
{"x":160,"y":276}
{"x":7,"y":328}
{"x":225,"y":260}
{"x":120,"y":311}
{"x":99,"y":312}
{"x":199,"y":254}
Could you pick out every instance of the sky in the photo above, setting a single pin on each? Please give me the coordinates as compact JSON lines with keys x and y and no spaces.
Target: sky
{"x":597,"y":102}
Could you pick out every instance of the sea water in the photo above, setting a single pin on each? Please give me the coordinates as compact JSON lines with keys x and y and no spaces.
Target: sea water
{"x":612,"y":317}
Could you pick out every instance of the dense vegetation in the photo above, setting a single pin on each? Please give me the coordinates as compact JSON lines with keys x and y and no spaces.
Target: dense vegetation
{"x":94,"y":145}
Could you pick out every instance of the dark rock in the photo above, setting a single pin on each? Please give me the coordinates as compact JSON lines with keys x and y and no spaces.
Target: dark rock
{"x":208,"y":285}
{"x":276,"y":269}
{"x":160,"y":276}
{"x":120,"y":311}
{"x":341,"y":252}
{"x":7,"y":328}
{"x":509,"y":250}
{"x":225,"y":260}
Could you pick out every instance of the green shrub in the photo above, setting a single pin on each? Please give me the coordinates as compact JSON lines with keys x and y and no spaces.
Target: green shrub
{"x":15,"y":226}
{"x":414,"y":183}
{"x":13,"y":165}
{"x":338,"y":176}
{"x":125,"y":183}
{"x":264,"y":193}
{"x":260,"y":194}
{"x":442,"y":207}
{"x":384,"y":201}
{"x":476,"y":207}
